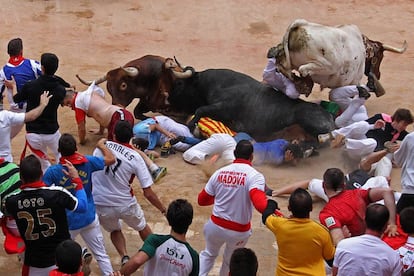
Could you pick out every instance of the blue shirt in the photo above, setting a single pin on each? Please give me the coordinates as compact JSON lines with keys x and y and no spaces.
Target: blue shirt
{"x":142,"y":130}
{"x":55,"y":176}
{"x":22,"y":73}
{"x":270,"y":152}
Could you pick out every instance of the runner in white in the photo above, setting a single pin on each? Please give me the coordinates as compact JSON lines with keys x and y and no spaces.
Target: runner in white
{"x":234,"y":190}
{"x":113,"y":194}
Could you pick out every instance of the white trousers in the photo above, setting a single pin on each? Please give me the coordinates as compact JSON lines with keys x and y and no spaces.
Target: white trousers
{"x":215,"y":236}
{"x":357,"y":145}
{"x":219,"y":143}
{"x":176,"y":128}
{"x":94,"y":240}
{"x":352,"y":107}
{"x":43,"y":142}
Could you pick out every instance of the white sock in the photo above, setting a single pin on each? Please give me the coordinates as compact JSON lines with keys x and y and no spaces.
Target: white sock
{"x":153,"y":167}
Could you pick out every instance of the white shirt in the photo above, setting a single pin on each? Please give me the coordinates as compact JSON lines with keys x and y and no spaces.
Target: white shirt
{"x":366,"y":255}
{"x":83,"y":99}
{"x":404,"y":157}
{"x":230,"y":186}
{"x":112,"y":185}
{"x":407,"y":253}
{"x":7,"y":120}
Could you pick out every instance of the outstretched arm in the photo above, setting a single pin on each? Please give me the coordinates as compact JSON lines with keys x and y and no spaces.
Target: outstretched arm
{"x":155,"y":201}
{"x":286,"y":190}
{"x":34,"y":113}
{"x":387,"y":194}
{"x":109,"y":158}
{"x":164,"y":131}
{"x":134,"y":263}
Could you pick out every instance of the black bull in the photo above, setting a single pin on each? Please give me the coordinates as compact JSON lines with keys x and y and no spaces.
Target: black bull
{"x":245,"y":104}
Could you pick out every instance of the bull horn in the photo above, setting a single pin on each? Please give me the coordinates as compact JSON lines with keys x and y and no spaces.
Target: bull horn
{"x":395,"y":49}
{"x":98,"y":81}
{"x":189,"y":71}
{"x":176,"y":61}
{"x":131,"y":71}
{"x":170,"y":63}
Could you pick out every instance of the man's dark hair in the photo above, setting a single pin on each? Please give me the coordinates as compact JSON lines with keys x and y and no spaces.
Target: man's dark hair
{"x":123,"y":131}
{"x":140,"y":143}
{"x":407,"y":220}
{"x":68,"y":256}
{"x":296,"y":150}
{"x":244,"y":150}
{"x":402,"y":114}
{"x":334,"y":179}
{"x":243,"y":262}
{"x":67,"y":144}
{"x":376,"y":217}
{"x":300,"y":203}
{"x":30,"y":169}
{"x":50,"y":63}
{"x":15,"y":47}
{"x":180,"y":215}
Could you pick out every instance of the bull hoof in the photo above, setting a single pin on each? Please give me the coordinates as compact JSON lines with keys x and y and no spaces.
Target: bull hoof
{"x":375,"y":85}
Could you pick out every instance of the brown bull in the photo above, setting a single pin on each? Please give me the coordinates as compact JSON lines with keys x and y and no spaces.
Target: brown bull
{"x":148,"y":78}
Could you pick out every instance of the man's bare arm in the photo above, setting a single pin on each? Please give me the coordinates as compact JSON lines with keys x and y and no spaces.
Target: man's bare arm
{"x":155,"y":201}
{"x":82,"y":132}
{"x":109,"y":158}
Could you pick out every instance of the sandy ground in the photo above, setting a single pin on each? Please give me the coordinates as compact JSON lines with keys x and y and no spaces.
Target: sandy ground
{"x":91,"y":37}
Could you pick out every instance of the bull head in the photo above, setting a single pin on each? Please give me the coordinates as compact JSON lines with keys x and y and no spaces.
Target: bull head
{"x":117,"y":80}
{"x":375,"y":54}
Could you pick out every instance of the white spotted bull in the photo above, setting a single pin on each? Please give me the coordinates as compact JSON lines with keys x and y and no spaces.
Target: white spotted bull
{"x":330,"y":56}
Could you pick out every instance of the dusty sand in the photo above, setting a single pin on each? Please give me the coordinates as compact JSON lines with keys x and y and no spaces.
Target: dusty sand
{"x":91,"y":37}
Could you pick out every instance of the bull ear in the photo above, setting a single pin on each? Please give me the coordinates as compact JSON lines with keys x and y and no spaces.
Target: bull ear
{"x":131,"y":71}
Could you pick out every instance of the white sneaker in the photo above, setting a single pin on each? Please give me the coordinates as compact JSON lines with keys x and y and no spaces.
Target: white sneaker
{"x":325,"y":137}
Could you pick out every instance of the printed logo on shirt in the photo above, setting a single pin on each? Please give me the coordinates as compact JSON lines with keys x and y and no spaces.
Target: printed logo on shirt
{"x":232,"y":178}
{"x":330,"y":221}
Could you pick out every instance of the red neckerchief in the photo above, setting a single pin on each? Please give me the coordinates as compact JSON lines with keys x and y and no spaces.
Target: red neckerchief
{"x":16,"y":60}
{"x":37,"y":184}
{"x":1,"y":160}
{"x":243,"y":161}
{"x":75,"y":159}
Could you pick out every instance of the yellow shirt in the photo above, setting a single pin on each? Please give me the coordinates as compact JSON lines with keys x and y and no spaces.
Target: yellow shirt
{"x":303,"y":245}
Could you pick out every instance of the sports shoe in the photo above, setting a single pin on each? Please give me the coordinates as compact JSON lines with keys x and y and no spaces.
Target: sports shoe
{"x":325,"y":137}
{"x":338,"y":141}
{"x":87,"y":259}
{"x":166,"y":149}
{"x":363,"y":93}
{"x":374,"y":84}
{"x":308,"y":153}
{"x":158,"y":173}
{"x":124,"y":260}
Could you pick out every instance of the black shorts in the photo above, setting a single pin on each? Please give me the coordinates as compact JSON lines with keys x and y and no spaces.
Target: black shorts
{"x":406,"y":200}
